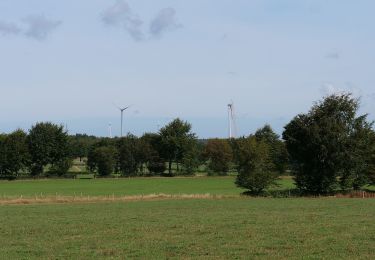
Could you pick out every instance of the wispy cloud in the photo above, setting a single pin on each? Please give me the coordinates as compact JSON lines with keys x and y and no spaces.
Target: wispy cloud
{"x":121,"y":15}
{"x":39,"y":27}
{"x":164,"y":21}
{"x":9,"y":28}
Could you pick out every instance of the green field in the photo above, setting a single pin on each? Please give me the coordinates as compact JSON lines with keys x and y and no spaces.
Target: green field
{"x":227,"y":228}
{"x":130,"y":186}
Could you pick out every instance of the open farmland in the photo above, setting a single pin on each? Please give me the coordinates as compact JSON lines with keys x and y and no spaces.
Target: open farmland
{"x":219,"y":227}
{"x":126,"y":186}
{"x":226,"y":228}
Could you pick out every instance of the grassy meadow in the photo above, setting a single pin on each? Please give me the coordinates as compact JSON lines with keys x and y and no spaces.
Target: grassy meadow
{"x":126,"y":186}
{"x":240,"y":228}
{"x":228,"y":227}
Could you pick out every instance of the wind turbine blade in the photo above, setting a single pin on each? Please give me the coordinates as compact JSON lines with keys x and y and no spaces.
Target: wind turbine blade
{"x":116,"y":105}
{"x":127,"y":107}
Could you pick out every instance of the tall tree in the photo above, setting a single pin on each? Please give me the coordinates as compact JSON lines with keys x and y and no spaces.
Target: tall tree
{"x":80,"y":145}
{"x":330,"y":146}
{"x":48,"y":145}
{"x":153,"y":153}
{"x":190,"y":160}
{"x":14,"y":153}
{"x":3,"y":159}
{"x":130,"y":156}
{"x":279,"y":153}
{"x":176,"y":138}
{"x":255,"y":166}
{"x":102,"y":159}
{"x":219,"y":154}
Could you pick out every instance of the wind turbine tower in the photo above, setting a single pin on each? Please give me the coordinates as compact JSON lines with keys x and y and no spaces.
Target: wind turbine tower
{"x":232,"y":126}
{"x":122,"y":109}
{"x":110,"y":130}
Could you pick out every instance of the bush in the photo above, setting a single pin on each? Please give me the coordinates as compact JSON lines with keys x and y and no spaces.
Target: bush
{"x":255,"y":167}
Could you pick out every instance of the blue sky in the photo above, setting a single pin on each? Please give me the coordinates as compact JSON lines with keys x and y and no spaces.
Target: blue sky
{"x":69,"y":61}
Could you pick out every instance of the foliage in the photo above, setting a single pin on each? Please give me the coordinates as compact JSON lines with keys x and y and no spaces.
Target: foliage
{"x":190,"y":161}
{"x":330,"y":145}
{"x":80,"y":145}
{"x":371,"y":162}
{"x":152,"y":151}
{"x":279,"y":153}
{"x":102,"y":159}
{"x":219,"y":154}
{"x":131,"y":155}
{"x":176,"y":139}
{"x":3,"y":160}
{"x":62,"y":166}
{"x":255,"y":166}
{"x":14,"y":153}
{"x":48,"y":144}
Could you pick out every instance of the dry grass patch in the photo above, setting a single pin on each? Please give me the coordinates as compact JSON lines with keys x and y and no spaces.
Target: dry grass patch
{"x":113,"y":198}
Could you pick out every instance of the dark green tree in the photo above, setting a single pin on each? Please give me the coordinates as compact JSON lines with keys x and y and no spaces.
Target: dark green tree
{"x":371,"y":161}
{"x":3,"y":161}
{"x":279,"y":153}
{"x":80,"y":145}
{"x":152,"y":152}
{"x":130,"y":155}
{"x":176,"y":139}
{"x":255,"y":166}
{"x":330,"y":146}
{"x":219,"y":154}
{"x":48,"y":145}
{"x":102,"y":159}
{"x":190,"y":161}
{"x":62,"y":166}
{"x":14,"y":153}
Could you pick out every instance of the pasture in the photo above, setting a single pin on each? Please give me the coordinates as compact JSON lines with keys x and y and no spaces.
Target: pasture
{"x":226,"y":228}
{"x":221,"y":228}
{"x":125,"y":186}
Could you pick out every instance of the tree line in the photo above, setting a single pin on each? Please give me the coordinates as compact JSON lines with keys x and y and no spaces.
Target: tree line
{"x":326,"y":149}
{"x":175,"y":150}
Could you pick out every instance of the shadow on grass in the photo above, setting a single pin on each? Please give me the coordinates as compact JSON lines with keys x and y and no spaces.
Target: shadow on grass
{"x":296,"y":193}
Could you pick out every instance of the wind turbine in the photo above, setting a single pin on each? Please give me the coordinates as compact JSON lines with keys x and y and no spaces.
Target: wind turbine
{"x":232,"y":127}
{"x":110,"y":130}
{"x":122,"y":109}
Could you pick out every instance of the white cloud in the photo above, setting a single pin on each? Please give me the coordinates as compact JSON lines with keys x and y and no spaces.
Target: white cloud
{"x":121,"y":15}
{"x":164,"y":21}
{"x":39,"y":27}
{"x":9,"y":28}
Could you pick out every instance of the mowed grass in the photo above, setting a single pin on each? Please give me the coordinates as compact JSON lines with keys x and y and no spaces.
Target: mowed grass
{"x":125,"y":186}
{"x":243,"y":228}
